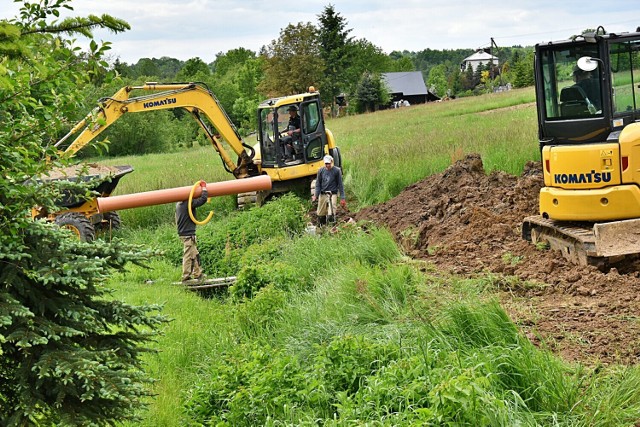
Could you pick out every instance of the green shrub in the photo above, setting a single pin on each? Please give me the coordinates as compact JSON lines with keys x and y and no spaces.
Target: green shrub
{"x":253,"y":277}
{"x":259,"y":317}
{"x":222,"y":244}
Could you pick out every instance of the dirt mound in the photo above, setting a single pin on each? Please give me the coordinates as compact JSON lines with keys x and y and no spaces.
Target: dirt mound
{"x":469,"y":223}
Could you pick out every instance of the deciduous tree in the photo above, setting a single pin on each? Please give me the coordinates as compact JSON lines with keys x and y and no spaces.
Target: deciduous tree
{"x":292,"y":62}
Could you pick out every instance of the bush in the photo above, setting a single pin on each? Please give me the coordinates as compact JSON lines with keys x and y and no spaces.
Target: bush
{"x":223,"y":244}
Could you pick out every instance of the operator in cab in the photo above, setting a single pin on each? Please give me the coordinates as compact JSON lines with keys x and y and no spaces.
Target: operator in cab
{"x":291,"y":142}
{"x":590,"y":85}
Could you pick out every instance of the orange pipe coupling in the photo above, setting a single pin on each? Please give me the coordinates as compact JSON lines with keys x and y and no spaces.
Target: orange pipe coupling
{"x":169,"y":195}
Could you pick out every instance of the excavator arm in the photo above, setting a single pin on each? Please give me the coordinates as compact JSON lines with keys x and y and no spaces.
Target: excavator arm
{"x":193,"y":97}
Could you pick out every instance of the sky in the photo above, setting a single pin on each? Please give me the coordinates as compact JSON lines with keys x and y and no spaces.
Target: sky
{"x":185,"y":29}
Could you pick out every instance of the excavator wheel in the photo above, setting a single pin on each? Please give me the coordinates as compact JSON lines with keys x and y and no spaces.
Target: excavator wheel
{"x":78,"y":224}
{"x":110,"y":221}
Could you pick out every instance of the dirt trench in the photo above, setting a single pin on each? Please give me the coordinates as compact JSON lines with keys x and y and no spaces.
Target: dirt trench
{"x":468,"y":223}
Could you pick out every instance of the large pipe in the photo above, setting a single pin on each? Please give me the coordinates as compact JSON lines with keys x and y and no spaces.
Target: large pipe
{"x":169,"y":195}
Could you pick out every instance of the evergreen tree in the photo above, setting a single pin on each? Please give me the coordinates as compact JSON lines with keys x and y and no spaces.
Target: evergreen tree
{"x":335,"y":52}
{"x":69,"y":352}
{"x":370,"y":93}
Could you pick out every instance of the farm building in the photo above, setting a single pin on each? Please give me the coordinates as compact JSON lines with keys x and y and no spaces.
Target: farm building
{"x":478,"y":59}
{"x":408,"y":86}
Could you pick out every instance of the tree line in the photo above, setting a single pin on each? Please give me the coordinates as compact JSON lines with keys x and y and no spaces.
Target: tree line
{"x":347,"y":72}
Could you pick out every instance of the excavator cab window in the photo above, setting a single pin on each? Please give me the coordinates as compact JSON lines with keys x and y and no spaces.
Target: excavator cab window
{"x":625,"y":76}
{"x":570,"y":92}
{"x":268,"y":137}
{"x":313,"y":131}
{"x":305,"y":146}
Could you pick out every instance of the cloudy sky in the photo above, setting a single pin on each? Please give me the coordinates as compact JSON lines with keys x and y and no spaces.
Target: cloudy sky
{"x":186,"y":29}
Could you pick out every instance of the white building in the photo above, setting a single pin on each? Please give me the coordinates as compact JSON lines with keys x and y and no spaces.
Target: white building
{"x":478,"y":59}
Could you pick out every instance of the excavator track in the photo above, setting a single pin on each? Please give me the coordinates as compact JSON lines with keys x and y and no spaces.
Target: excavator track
{"x":247,"y":200}
{"x":586,"y":243}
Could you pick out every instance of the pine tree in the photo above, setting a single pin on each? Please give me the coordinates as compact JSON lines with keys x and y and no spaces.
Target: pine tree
{"x":69,"y":352}
{"x":335,"y":52}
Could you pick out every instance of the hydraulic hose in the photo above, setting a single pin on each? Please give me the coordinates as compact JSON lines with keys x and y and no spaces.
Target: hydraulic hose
{"x":193,"y":218}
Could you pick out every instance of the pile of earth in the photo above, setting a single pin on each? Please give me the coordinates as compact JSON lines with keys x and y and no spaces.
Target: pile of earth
{"x":468,"y":223}
{"x":82,"y":170}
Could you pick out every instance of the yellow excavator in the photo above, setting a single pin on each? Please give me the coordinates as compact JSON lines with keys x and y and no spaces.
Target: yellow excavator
{"x":588,"y":103}
{"x":290,"y":159}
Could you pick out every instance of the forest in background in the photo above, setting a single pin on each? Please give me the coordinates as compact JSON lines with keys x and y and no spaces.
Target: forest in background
{"x":323,"y":55}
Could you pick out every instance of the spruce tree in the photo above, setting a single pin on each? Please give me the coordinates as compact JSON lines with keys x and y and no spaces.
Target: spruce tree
{"x":70,"y":354}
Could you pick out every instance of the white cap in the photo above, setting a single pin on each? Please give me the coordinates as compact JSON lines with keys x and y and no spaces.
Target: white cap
{"x":328,"y":159}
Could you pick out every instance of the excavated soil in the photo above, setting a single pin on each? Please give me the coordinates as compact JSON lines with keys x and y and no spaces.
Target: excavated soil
{"x":83,"y":169}
{"x":468,"y":223}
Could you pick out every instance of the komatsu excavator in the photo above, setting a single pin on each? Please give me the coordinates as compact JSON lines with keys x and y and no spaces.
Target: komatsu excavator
{"x":289,"y":167}
{"x":588,"y":103}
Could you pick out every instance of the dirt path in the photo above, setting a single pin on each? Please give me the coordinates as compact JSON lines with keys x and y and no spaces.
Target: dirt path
{"x":468,"y":223}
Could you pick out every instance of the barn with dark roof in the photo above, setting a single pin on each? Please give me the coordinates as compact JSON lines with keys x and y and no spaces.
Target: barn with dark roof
{"x":408,"y":86}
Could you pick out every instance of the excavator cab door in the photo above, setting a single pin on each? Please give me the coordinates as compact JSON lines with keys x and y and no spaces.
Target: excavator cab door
{"x":313,"y":131}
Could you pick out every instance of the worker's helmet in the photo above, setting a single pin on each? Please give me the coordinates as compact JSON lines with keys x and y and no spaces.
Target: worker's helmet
{"x":328,"y":159}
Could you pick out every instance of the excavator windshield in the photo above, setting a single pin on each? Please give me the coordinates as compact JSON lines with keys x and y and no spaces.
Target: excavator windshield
{"x":292,"y":134}
{"x":570,"y":92}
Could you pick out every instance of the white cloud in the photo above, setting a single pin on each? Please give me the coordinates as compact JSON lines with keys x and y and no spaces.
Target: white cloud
{"x":185,"y":29}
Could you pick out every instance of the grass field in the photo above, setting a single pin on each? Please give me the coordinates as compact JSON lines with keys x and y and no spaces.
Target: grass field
{"x":343,"y":329}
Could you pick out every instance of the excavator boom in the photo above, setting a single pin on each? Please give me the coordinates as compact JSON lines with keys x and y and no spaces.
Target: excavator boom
{"x":193,"y":97}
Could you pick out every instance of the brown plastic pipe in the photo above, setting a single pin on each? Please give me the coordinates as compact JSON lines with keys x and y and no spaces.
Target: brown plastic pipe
{"x":169,"y":195}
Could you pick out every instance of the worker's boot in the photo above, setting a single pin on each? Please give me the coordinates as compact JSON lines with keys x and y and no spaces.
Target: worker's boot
{"x":331,"y":219}
{"x":322,"y":220}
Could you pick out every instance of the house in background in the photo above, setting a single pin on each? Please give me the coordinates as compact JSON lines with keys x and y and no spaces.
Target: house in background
{"x":481,"y":57}
{"x":407,"y":86}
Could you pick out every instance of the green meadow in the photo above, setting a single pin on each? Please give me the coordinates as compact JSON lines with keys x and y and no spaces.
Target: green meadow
{"x":343,"y":329}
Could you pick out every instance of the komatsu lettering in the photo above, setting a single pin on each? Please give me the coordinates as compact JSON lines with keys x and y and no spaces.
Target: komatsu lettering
{"x":592,"y":177}
{"x":160,"y":103}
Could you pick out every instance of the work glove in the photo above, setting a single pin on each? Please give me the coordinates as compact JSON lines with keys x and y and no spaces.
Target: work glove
{"x":343,"y":203}
{"x":203,"y":184}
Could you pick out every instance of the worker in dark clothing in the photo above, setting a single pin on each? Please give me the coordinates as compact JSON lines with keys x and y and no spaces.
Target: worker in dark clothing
{"x":191,"y":269}
{"x":328,"y":187}
{"x":292,"y":140}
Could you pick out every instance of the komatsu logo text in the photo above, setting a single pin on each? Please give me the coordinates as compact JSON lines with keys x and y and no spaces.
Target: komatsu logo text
{"x":592,"y":177}
{"x":166,"y":101}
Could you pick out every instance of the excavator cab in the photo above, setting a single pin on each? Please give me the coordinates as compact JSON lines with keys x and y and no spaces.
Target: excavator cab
{"x":588,"y":102}
{"x":292,"y":132}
